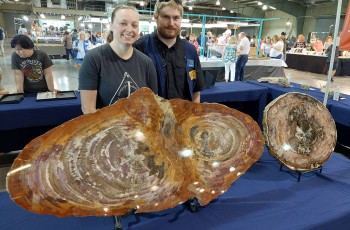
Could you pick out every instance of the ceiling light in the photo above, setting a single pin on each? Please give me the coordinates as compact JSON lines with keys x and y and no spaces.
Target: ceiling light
{"x":16,"y":0}
{"x":260,"y":3}
{"x":80,"y":18}
{"x":231,"y":11}
{"x":82,"y":24}
{"x":190,"y":8}
{"x":142,"y":3}
{"x":271,"y":7}
{"x":223,"y":8}
{"x":63,"y":17}
{"x":42,"y":16}
{"x":25,"y":18}
{"x":218,"y":3}
{"x":264,"y":7}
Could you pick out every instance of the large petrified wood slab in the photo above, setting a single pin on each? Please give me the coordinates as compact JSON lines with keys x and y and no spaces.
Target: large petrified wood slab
{"x":299,"y":131}
{"x":143,"y":152}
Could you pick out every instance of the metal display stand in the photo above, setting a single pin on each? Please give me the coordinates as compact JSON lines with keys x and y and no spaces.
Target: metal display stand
{"x":117,"y":219}
{"x":299,"y":173}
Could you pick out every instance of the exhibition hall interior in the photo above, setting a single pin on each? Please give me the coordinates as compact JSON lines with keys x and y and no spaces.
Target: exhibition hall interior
{"x":266,"y":147}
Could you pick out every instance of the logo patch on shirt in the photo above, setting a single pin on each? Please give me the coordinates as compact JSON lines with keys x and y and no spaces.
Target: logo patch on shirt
{"x":193,"y":74}
{"x":190,"y":63}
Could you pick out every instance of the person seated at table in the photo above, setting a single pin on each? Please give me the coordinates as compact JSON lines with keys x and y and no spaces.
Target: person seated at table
{"x":277,"y":47}
{"x":32,"y":68}
{"x":318,"y":45}
{"x":115,"y":70}
{"x":300,"y":43}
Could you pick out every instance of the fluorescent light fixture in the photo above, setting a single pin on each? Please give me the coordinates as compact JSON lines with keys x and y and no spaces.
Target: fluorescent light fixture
{"x":288,"y":23}
{"x":82,"y":24}
{"x":271,"y":7}
{"x":185,"y":20}
{"x":42,"y":16}
{"x":264,"y":7}
{"x":16,"y":0}
{"x":25,"y":18}
{"x":223,"y":8}
{"x":63,"y":17}
{"x":231,"y":11}
{"x":190,"y":8}
{"x":218,"y":3}
{"x":80,"y":18}
{"x":260,"y":3}
{"x":142,"y":3}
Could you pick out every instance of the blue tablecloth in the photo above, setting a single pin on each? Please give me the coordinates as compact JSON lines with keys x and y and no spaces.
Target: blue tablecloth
{"x":30,"y":113}
{"x":262,"y":198}
{"x":234,"y":92}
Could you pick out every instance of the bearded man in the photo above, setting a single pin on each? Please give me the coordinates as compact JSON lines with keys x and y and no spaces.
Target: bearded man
{"x":178,"y":67}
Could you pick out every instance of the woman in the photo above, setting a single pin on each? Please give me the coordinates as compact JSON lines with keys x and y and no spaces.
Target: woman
{"x":328,"y":42}
{"x":229,"y":57}
{"x":115,"y":70}
{"x":32,"y":68}
{"x":300,"y":43}
{"x":68,"y":44}
{"x":193,"y":41}
{"x":266,"y":47}
{"x":276,"y":47}
{"x":80,"y":47}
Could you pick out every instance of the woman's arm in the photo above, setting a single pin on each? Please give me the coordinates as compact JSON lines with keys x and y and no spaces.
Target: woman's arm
{"x":49,"y":78}
{"x":88,"y":101}
{"x":19,"y":78}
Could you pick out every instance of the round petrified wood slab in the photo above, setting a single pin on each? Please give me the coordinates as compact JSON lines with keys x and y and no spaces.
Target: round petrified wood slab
{"x":299,"y":131}
{"x":143,"y":152}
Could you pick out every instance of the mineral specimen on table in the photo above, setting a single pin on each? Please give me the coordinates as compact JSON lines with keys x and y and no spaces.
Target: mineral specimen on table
{"x":299,"y":131}
{"x":143,"y":151}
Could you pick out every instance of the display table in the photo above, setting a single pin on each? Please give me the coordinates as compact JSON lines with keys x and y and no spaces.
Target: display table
{"x":55,"y":51}
{"x":238,"y":91}
{"x":316,"y":64}
{"x":255,"y":68}
{"x":20,"y":123}
{"x":262,"y":198}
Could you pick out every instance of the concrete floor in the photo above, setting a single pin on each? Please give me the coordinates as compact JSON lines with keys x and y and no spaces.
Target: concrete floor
{"x":66,"y":78}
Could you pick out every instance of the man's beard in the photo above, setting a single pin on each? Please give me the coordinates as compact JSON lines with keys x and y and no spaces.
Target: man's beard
{"x":164,"y":33}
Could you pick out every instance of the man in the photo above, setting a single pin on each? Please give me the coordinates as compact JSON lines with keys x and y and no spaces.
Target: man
{"x":23,"y":30}
{"x":178,"y":68}
{"x":242,"y":59}
{"x":283,"y":37}
{"x":2,"y":37}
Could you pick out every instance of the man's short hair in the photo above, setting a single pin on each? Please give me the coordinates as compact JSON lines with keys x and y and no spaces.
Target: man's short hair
{"x":160,"y":4}
{"x":23,"y":40}
{"x":283,"y":33}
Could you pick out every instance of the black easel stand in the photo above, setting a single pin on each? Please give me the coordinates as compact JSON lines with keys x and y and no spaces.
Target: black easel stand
{"x":192,"y":204}
{"x":117,"y":219}
{"x":299,"y":173}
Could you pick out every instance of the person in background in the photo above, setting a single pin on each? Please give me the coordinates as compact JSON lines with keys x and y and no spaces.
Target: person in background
{"x":193,"y":41}
{"x":318,"y":45}
{"x":243,"y":48}
{"x":276,"y":47}
{"x":266,"y":47}
{"x":229,"y":57}
{"x":89,"y":36}
{"x":80,"y":47}
{"x":300,"y":43}
{"x":328,"y":53}
{"x":313,"y":39}
{"x":32,"y":68}
{"x":115,"y":70}
{"x":2,"y":37}
{"x":23,"y":30}
{"x":184,"y":35}
{"x":222,"y":41}
{"x":285,"y":43}
{"x":328,"y":42}
{"x":74,"y":35}
{"x":68,"y":44}
{"x":177,"y":63}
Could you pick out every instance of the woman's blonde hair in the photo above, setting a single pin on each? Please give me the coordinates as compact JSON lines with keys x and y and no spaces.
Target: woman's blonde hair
{"x":301,"y":38}
{"x":276,"y":38}
{"x":177,"y":4}
{"x":232,"y":40}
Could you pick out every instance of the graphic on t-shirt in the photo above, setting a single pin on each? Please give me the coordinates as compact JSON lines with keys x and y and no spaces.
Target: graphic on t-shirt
{"x":126,"y":87}
{"x":32,"y":70}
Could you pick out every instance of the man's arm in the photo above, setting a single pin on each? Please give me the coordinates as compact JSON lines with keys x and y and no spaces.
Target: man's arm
{"x":19,"y":78}
{"x":88,"y":101}
{"x":196,"y":97}
{"x":49,"y":78}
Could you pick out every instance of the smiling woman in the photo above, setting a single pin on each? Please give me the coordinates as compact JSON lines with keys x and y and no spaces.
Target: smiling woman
{"x":108,"y":72}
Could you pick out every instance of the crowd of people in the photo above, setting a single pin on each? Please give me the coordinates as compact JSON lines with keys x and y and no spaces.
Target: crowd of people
{"x":167,"y":59}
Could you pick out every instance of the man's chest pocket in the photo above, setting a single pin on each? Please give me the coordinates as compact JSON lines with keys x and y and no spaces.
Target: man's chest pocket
{"x":179,"y":69}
